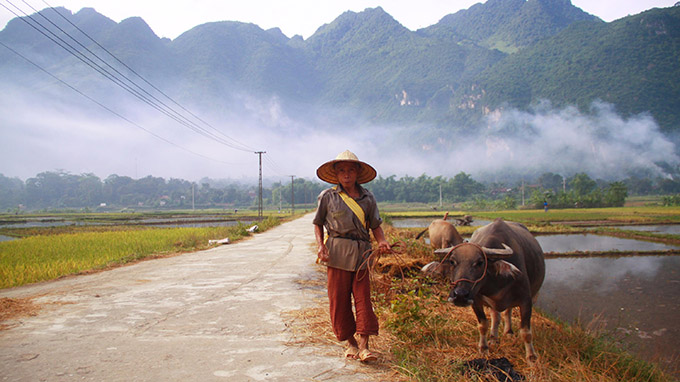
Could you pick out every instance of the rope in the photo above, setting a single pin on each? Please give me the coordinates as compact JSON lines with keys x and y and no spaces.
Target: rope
{"x":373,"y":255}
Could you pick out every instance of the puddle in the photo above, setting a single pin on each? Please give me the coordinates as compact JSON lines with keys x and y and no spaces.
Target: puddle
{"x":591,"y":242}
{"x":673,"y":229}
{"x":7,"y":238}
{"x":634,"y":299}
{"x":192,"y":222}
{"x":49,"y":223}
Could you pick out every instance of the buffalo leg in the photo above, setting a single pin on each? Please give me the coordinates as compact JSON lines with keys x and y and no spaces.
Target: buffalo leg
{"x":525,"y":330}
{"x":507,"y":321}
{"x":495,"y":323}
{"x":483,"y":326}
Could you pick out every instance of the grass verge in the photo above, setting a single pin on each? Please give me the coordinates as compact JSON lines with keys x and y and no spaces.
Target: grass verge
{"x":45,"y":257}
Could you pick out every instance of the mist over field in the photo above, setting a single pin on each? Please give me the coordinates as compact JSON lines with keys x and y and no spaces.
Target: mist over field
{"x":64,"y":131}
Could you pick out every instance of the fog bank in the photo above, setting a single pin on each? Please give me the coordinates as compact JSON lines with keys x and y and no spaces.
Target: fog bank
{"x":55,"y":133}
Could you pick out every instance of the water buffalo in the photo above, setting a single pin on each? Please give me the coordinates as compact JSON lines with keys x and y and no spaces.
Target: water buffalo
{"x":501,"y":267}
{"x":442,"y":234}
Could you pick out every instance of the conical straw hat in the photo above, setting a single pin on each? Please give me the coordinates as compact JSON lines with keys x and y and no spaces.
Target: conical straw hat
{"x":326,"y":171}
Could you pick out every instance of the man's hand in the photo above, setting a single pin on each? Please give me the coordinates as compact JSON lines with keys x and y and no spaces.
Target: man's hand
{"x":322,"y":253}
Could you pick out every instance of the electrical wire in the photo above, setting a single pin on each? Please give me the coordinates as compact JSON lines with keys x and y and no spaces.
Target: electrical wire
{"x":109,"y":109}
{"x":245,"y":147}
{"x":150,"y":100}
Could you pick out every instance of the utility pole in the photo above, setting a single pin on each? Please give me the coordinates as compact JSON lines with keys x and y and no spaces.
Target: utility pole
{"x":259,"y":200}
{"x":522,"y":191}
{"x":440,"y":196}
{"x":193,"y":205}
{"x":292,"y":195}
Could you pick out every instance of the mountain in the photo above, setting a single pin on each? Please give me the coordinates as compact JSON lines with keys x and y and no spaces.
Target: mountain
{"x":372,"y":63}
{"x":499,"y":54}
{"x":509,"y":25}
{"x":633,"y":63}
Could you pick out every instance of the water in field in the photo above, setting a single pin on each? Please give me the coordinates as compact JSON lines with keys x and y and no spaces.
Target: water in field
{"x":156,"y":222}
{"x":635,"y":300}
{"x":46,"y":224}
{"x":673,"y":229}
{"x":6,"y":238}
{"x":591,"y":242}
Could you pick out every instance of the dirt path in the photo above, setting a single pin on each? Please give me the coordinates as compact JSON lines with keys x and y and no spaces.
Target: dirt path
{"x":213,"y":315}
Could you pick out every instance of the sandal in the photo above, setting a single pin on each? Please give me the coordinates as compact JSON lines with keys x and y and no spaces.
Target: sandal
{"x":366,"y":356}
{"x":352,"y":352}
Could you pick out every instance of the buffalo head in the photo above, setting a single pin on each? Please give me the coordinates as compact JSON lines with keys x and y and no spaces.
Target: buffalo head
{"x":467,"y":265}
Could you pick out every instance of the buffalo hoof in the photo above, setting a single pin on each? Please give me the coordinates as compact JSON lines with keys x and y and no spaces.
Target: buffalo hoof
{"x":493,"y":340}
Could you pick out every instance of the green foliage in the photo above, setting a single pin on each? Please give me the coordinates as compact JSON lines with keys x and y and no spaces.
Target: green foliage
{"x":672,"y":200}
{"x":304,"y":191}
{"x":582,"y":193}
{"x":631,"y":63}
{"x":425,"y":189}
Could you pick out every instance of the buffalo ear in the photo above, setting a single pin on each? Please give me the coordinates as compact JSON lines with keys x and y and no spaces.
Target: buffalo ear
{"x":504,"y":268}
{"x":435,"y":269}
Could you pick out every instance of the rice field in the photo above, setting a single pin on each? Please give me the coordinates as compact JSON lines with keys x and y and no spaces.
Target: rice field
{"x":46,"y":257}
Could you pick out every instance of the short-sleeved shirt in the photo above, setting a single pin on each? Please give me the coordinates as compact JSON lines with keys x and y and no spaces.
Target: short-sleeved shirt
{"x":349,"y":242}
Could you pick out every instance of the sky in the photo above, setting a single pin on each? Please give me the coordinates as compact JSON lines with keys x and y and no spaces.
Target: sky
{"x":39,"y":134}
{"x":296,"y":17}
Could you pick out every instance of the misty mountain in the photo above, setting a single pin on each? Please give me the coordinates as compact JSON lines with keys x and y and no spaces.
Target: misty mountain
{"x":633,"y":63}
{"x":509,"y":25}
{"x":432,"y":99}
{"x":513,"y":52}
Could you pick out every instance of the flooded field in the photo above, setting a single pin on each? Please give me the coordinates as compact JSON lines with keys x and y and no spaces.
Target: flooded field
{"x":157,"y":222}
{"x":673,"y":229}
{"x":598,"y":243}
{"x":635,"y":300}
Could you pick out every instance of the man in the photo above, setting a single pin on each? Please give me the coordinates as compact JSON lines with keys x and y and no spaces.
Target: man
{"x":348,"y":211}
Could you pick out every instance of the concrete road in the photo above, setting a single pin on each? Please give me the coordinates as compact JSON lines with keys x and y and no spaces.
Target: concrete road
{"x":213,"y":315}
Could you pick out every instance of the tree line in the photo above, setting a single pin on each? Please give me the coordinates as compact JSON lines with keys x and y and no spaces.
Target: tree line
{"x":62,"y":190}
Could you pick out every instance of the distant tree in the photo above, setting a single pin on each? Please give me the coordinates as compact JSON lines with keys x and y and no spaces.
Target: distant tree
{"x":463,"y":186}
{"x":550,"y":181}
{"x":582,"y":184}
{"x":615,"y":194}
{"x":11,"y":193}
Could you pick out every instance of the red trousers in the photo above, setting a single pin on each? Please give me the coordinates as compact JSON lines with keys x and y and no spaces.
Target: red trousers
{"x":341,"y":286}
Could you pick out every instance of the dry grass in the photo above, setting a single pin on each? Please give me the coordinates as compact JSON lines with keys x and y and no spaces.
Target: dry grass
{"x":11,"y":308}
{"x":423,"y":338}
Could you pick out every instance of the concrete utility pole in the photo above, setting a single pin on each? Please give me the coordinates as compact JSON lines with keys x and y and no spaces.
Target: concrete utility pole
{"x":259,"y":200}
{"x":440,"y":196}
{"x":292,"y":195}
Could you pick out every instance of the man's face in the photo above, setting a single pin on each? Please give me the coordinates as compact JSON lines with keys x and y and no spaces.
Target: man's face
{"x":347,"y":173}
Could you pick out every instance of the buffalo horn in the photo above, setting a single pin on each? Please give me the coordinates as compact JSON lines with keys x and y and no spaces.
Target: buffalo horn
{"x":443,"y":251}
{"x":495,"y":252}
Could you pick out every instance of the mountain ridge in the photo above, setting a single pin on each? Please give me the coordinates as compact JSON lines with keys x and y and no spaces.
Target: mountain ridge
{"x":450,"y":75}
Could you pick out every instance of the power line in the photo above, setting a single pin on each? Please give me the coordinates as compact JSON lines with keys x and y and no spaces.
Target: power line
{"x":144,"y":79}
{"x":269,"y":162}
{"x":165,"y":109}
{"x":109,"y":109}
